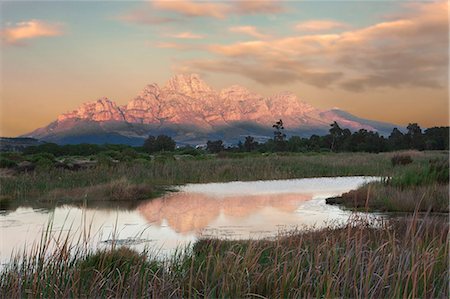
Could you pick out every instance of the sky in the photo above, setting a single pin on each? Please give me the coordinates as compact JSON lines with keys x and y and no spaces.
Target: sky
{"x":381,"y":60}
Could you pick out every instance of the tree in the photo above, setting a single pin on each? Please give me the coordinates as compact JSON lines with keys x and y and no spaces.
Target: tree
{"x":437,"y":138}
{"x":415,"y":137}
{"x":336,"y":132}
{"x":214,"y":146}
{"x":297,"y":144}
{"x":278,"y":136}
{"x":250,"y":144}
{"x":158,"y":144}
{"x":314,"y":143}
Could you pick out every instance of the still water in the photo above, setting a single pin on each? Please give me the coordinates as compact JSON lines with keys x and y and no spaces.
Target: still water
{"x":232,"y":210}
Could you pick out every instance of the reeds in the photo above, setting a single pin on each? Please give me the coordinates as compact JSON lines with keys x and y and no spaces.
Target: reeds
{"x":423,"y":187}
{"x":403,"y":258}
{"x":37,"y":184}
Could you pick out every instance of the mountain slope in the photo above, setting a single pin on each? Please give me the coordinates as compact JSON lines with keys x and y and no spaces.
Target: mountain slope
{"x":190,"y":111}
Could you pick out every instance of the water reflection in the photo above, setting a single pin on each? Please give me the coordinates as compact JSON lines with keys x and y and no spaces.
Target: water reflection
{"x":236,"y":209}
{"x":191,"y":212}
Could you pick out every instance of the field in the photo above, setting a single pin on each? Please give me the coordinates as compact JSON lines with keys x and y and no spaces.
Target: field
{"x":405,"y":256}
{"x":141,"y":179}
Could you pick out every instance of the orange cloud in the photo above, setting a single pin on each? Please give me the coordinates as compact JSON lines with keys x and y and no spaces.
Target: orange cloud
{"x":26,"y":30}
{"x":248,"y":30}
{"x":320,"y":25}
{"x":411,"y":50}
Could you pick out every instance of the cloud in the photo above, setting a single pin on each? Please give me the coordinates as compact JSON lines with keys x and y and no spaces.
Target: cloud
{"x":248,"y":30}
{"x":145,"y":16}
{"x":191,"y":8}
{"x":257,"y":7}
{"x":320,"y":25}
{"x":410,"y":50}
{"x":157,"y":12}
{"x":22,"y":31}
{"x":172,"y":45}
{"x":187,"y":35}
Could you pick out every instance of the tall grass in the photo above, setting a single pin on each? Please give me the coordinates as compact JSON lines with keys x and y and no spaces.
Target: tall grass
{"x":37,"y":184}
{"x":424,"y":187}
{"x":405,"y":258}
{"x":387,"y":198}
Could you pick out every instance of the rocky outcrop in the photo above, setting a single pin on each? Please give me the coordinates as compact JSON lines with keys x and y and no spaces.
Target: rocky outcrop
{"x":101,"y":110}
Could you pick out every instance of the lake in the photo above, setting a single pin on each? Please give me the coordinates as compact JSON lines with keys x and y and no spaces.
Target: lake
{"x":230,"y":210}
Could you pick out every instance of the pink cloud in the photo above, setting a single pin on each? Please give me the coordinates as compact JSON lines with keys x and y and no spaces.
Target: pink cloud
{"x":192,"y":8}
{"x":320,"y":25}
{"x":26,"y":30}
{"x":248,"y":30}
{"x":172,"y":45}
{"x":187,"y":35}
{"x":150,"y":12}
{"x":257,"y":7}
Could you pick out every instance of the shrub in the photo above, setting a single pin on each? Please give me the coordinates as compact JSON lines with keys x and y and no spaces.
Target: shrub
{"x":7,"y":163}
{"x":39,"y":156}
{"x":14,"y":156}
{"x":44,"y":164}
{"x":401,"y":160}
{"x":115,"y":265}
{"x":104,"y":160}
{"x":122,"y":189}
{"x":161,"y":143}
{"x":130,"y":153}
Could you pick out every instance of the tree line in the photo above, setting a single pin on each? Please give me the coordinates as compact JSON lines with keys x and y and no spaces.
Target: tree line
{"x":343,"y":140}
{"x":337,"y":140}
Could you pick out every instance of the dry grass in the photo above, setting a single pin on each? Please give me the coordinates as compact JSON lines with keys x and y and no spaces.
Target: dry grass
{"x":37,"y":184}
{"x":381,"y":197}
{"x":405,"y":258}
{"x":118,"y":190}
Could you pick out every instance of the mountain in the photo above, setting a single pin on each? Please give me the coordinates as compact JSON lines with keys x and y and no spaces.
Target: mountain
{"x":192,"y":112}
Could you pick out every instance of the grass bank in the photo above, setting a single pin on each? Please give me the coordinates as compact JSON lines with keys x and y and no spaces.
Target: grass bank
{"x":424,"y":188}
{"x":57,"y":184}
{"x":405,"y":258}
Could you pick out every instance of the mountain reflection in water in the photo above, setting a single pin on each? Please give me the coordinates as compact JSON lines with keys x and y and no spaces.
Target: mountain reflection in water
{"x":187,"y":212}
{"x":236,"y":209}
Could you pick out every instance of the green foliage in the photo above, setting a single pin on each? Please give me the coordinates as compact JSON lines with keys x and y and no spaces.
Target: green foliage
{"x":44,"y":164}
{"x":250,"y":144}
{"x":14,"y":156}
{"x":397,"y":258}
{"x":39,"y":156}
{"x":104,"y":160}
{"x":159,"y":144}
{"x":7,"y":163}
{"x":215,"y":146}
{"x":401,"y":160}
{"x":437,"y":171}
{"x":115,"y":264}
{"x":437,"y":138}
{"x":189,"y":150}
{"x":130,"y":154}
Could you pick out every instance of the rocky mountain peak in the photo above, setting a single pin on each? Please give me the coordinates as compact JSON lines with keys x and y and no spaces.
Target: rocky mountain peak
{"x":103,"y":109}
{"x":186,"y":102}
{"x":188,"y":84}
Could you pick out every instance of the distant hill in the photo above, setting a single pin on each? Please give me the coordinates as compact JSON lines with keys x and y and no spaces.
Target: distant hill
{"x":18,"y":144}
{"x":191,"y":112}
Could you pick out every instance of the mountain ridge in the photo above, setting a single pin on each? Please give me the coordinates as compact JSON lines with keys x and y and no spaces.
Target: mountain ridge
{"x":187,"y":105}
